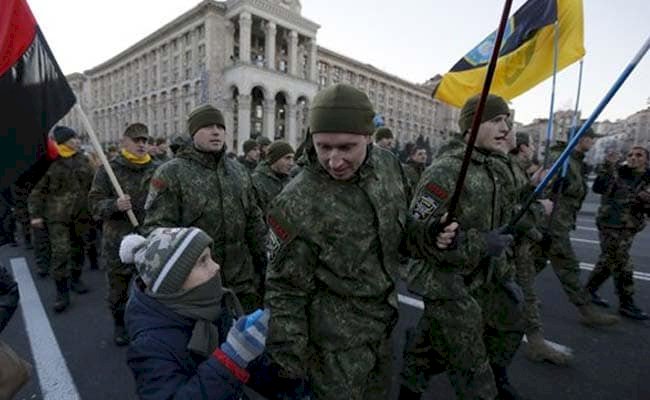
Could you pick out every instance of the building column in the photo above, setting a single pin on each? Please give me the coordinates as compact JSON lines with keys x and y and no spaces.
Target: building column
{"x":312,"y":60}
{"x":292,"y":125}
{"x":230,"y":123}
{"x":245,"y":22}
{"x":293,"y":53}
{"x":244,"y":119}
{"x":271,"y":31}
{"x":269,"y":118}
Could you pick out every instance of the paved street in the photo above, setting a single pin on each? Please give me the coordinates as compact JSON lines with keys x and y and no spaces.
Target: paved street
{"x":75,"y":358}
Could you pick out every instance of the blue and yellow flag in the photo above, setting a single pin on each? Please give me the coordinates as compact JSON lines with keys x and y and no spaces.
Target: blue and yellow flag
{"x":526,"y":55}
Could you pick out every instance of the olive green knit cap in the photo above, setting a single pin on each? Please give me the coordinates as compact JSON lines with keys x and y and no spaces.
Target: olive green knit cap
{"x":341,"y":109}
{"x":494,"y":105}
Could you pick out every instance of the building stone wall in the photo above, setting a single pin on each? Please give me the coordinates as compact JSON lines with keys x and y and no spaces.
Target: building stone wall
{"x":256,"y":60}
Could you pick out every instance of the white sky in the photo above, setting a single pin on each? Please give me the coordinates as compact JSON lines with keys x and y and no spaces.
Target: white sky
{"x":413,"y":39}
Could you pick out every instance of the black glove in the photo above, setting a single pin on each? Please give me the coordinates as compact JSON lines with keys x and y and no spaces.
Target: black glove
{"x":268,"y":379}
{"x":513,"y":290}
{"x":497,"y":240}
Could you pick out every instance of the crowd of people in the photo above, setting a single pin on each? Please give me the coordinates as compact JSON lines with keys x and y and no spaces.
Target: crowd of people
{"x":277,"y":271}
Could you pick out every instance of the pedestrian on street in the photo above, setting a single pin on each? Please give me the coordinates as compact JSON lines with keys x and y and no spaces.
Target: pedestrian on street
{"x":336,"y":231}
{"x":472,"y":324}
{"x":59,"y":201}
{"x":203,"y":188}
{"x":133,"y":168}
{"x":272,"y":174}
{"x":537,"y":349}
{"x":556,"y":246}
{"x":625,"y":205}
{"x":179,"y":317}
{"x":251,"y":156}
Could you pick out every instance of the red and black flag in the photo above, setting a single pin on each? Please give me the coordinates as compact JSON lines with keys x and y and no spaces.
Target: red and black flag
{"x":34,"y":93}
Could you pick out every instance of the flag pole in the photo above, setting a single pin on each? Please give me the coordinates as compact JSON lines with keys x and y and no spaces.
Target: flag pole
{"x":574,"y":123}
{"x":453,"y":203}
{"x":574,"y":140}
{"x":104,"y":160}
{"x":549,"y":127}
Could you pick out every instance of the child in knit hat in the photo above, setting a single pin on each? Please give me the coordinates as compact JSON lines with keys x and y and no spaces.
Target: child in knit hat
{"x":177,"y":318}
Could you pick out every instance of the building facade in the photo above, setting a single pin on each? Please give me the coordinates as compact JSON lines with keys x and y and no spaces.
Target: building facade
{"x":256,"y":60}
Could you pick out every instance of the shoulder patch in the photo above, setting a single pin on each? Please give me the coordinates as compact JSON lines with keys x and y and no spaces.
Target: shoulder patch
{"x":280,"y":229}
{"x":437,"y":191}
{"x":424,"y":207}
{"x":158,"y":183}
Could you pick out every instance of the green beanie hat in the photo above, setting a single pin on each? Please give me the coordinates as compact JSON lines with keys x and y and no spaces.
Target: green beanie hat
{"x":494,"y":105}
{"x":166,"y":257}
{"x":249,"y":145}
{"x":263,"y":140}
{"x":277,"y":150}
{"x":341,"y":109}
{"x":383,"y":133}
{"x":203,"y":116}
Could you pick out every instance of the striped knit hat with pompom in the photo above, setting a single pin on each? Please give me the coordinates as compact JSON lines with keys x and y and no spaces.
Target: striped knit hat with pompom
{"x":166,"y":257}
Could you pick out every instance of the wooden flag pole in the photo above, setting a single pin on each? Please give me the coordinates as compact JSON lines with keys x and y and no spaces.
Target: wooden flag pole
{"x":104,"y":160}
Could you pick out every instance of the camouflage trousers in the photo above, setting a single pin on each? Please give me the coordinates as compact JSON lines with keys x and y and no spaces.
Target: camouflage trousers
{"x":41,"y":242}
{"x":565,"y":265}
{"x":118,"y":275}
{"x":358,"y":373}
{"x":525,"y":277}
{"x":614,"y":260}
{"x":67,"y":243}
{"x":463,"y":337}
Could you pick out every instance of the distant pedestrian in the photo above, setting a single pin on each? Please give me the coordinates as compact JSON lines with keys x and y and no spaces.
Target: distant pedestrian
{"x":272,"y":174}
{"x":251,"y":155}
{"x":625,"y":205}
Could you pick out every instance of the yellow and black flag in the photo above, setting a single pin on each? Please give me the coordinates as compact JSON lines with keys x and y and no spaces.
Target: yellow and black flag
{"x":526,"y":55}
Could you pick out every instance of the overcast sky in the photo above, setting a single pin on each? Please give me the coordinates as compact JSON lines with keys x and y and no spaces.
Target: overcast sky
{"x":414,"y":39}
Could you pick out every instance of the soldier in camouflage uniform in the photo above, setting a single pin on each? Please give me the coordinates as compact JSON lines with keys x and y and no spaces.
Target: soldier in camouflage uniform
{"x":202,"y":187}
{"x":472,"y":321}
{"x":556,"y":247}
{"x":133,"y":168}
{"x":336,"y":229}
{"x":272,"y":174}
{"x":415,"y":165}
{"x":59,"y":200}
{"x":251,"y":156}
{"x":625,"y":203}
{"x":537,"y":349}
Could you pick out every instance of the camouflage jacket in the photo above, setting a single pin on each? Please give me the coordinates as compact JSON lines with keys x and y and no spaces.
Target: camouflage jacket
{"x":485,"y":204}
{"x":134,"y":179}
{"x":267,"y":184}
{"x":250,"y":165}
{"x":573,"y":193}
{"x":413,"y":171}
{"x":330,"y":282}
{"x":214,"y":193}
{"x":61,"y":194}
{"x":620,"y":206}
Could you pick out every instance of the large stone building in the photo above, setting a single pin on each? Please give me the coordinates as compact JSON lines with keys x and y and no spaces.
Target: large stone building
{"x":258,"y":61}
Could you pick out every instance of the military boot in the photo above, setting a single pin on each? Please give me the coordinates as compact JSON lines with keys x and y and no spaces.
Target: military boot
{"x":592,"y":317}
{"x":505,"y":389}
{"x":62,"y":300}
{"x":77,"y":284}
{"x":538,"y":350}
{"x":597,"y":300}
{"x":120,"y":337}
{"x":630,"y":310}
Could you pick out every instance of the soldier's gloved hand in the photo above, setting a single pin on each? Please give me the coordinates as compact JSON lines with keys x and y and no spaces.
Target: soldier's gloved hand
{"x":497,"y":240}
{"x":247,"y":338}
{"x":271,"y":381}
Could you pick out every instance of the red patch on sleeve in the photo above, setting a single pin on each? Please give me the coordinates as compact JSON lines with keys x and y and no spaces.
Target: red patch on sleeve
{"x":437,"y":191}
{"x":279,"y":231}
{"x":158,"y":183}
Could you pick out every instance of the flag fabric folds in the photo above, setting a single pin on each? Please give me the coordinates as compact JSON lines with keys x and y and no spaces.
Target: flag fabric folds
{"x":34,"y":93}
{"x":526,"y":54}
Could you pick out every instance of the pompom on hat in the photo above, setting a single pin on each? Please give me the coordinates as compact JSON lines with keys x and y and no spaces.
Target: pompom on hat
{"x":166,"y":257}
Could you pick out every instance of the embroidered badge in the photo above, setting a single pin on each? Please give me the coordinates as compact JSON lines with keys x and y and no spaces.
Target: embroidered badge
{"x":424,"y":207}
{"x":437,"y":191}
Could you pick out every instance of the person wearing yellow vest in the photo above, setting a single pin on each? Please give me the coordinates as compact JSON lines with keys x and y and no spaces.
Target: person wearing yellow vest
{"x":133,"y":167}
{"x":59,"y":201}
